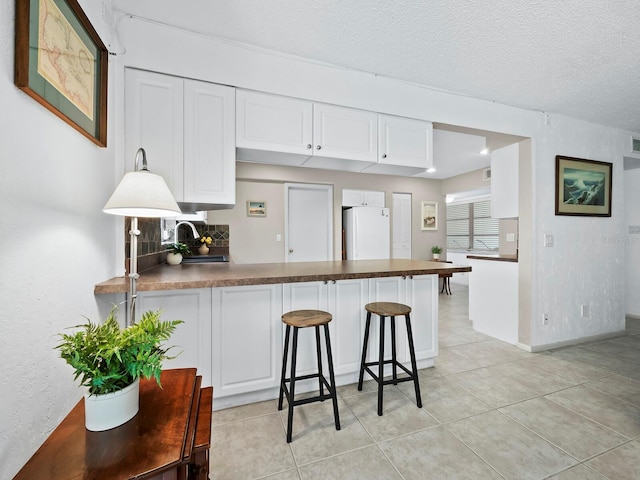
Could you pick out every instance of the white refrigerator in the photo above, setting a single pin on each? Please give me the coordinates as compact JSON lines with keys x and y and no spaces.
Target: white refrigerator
{"x":366,"y":233}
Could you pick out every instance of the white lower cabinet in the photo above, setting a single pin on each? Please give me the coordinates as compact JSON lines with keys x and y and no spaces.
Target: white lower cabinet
{"x":193,"y":337}
{"x":345,"y":301}
{"x":420,"y":293}
{"x":234,"y":336}
{"x":246,"y":338}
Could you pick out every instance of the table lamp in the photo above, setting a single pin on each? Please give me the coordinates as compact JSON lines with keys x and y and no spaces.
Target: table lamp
{"x":140,"y":194}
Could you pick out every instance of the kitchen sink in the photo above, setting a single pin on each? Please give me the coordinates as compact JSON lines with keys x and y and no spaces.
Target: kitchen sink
{"x":206,"y":259}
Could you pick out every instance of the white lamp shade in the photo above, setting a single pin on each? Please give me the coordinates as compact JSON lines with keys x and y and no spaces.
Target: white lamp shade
{"x":142,"y":194}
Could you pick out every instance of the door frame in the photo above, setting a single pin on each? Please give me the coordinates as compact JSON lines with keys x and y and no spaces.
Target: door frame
{"x":329,"y":197}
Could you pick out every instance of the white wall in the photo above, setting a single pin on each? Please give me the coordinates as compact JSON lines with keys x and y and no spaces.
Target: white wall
{"x":632,"y":240}
{"x":55,"y":244}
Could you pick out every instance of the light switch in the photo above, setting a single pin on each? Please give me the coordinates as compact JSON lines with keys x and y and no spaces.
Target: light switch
{"x":548,"y":240}
{"x":278,"y":237}
{"x":511,"y":237}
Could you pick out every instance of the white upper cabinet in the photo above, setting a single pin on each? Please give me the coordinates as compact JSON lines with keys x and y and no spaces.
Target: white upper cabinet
{"x":362,"y":198}
{"x":504,"y":181}
{"x":294,"y":132}
{"x":187,"y":129}
{"x":344,"y":138}
{"x":209,"y":143}
{"x":405,"y":146}
{"x":273,"y":129}
{"x":153,"y":121}
{"x":288,"y":131}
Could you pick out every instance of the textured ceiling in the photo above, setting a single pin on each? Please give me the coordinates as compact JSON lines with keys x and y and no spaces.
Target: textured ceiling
{"x":574,"y":57}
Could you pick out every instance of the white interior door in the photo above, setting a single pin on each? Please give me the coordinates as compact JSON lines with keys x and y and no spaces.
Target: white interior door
{"x":401,"y":226}
{"x":308,"y":222}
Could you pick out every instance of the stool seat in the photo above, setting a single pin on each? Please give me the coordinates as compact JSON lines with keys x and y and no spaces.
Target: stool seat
{"x":388,"y":309}
{"x":306,"y":318}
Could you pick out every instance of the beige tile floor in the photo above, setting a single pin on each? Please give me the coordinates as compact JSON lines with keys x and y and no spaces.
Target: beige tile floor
{"x":490,"y":411}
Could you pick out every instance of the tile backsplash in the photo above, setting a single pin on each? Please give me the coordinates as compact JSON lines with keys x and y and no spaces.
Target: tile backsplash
{"x":151,"y":252}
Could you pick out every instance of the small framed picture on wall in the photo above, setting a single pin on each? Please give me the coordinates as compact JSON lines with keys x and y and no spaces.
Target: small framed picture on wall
{"x":256,"y":209}
{"x":429,"y":217}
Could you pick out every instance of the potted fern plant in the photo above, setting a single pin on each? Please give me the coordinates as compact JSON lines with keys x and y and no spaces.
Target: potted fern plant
{"x":110,"y":362}
{"x":176,"y":252}
{"x":436,"y":251}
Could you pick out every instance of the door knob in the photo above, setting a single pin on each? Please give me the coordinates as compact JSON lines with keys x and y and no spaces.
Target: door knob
{"x":309,"y":146}
{"x":384,"y":155}
{"x":291,"y":250}
{"x":318,"y":147}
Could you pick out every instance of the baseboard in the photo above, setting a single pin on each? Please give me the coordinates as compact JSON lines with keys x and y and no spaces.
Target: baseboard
{"x":567,"y":343}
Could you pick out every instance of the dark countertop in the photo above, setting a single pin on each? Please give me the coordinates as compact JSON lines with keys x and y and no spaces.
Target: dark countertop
{"x":205,"y":275}
{"x":499,"y":258}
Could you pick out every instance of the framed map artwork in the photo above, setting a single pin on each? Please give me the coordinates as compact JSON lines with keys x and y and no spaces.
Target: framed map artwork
{"x":62,"y":63}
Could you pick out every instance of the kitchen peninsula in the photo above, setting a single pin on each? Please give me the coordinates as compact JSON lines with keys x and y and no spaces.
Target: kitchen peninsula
{"x":233,"y":331}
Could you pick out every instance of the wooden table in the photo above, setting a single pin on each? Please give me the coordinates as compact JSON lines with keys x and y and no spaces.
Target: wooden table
{"x":168,"y":439}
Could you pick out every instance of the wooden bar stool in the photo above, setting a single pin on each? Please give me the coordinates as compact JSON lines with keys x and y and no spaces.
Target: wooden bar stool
{"x":302,"y":319}
{"x":383,"y":310}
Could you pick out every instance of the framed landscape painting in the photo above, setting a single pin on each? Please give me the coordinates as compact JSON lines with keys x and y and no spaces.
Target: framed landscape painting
{"x":583,"y":187}
{"x":62,"y":63}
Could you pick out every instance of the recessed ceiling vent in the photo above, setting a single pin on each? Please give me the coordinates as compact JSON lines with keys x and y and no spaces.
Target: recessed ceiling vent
{"x":486,"y":174}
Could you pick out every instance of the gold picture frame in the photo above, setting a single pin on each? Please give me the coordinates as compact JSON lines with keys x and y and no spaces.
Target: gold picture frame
{"x":61,"y":62}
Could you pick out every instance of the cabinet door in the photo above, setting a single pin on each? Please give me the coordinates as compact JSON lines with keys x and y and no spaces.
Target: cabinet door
{"x":504,"y":181}
{"x":388,"y":289}
{"x":271,"y":123}
{"x":209,"y":143}
{"x":362,"y":198}
{"x":154,"y":121}
{"x":193,"y":337}
{"x":247,"y":337}
{"x":343,"y":138}
{"x":405,"y":145}
{"x":347,"y":299}
{"x":422,"y":296}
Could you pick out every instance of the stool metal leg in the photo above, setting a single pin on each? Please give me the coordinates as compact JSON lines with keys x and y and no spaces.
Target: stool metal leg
{"x":364,"y":350}
{"x":332,"y":379}
{"x":284,"y":366}
{"x":414,"y":366}
{"x":292,"y":391}
{"x":319,"y":355}
{"x":394,"y":371}
{"x":381,"y":366}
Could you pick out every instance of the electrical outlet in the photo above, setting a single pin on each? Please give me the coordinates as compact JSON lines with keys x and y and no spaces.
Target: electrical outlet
{"x":548,"y":240}
{"x":545,"y":319}
{"x":584,"y":310}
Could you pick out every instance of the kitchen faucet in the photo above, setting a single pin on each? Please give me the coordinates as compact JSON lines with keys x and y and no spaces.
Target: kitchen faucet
{"x":193,"y":229}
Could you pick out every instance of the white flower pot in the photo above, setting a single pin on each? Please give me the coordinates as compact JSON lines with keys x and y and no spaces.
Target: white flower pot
{"x":174,"y":258}
{"x":436,"y":256}
{"x":110,"y":410}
